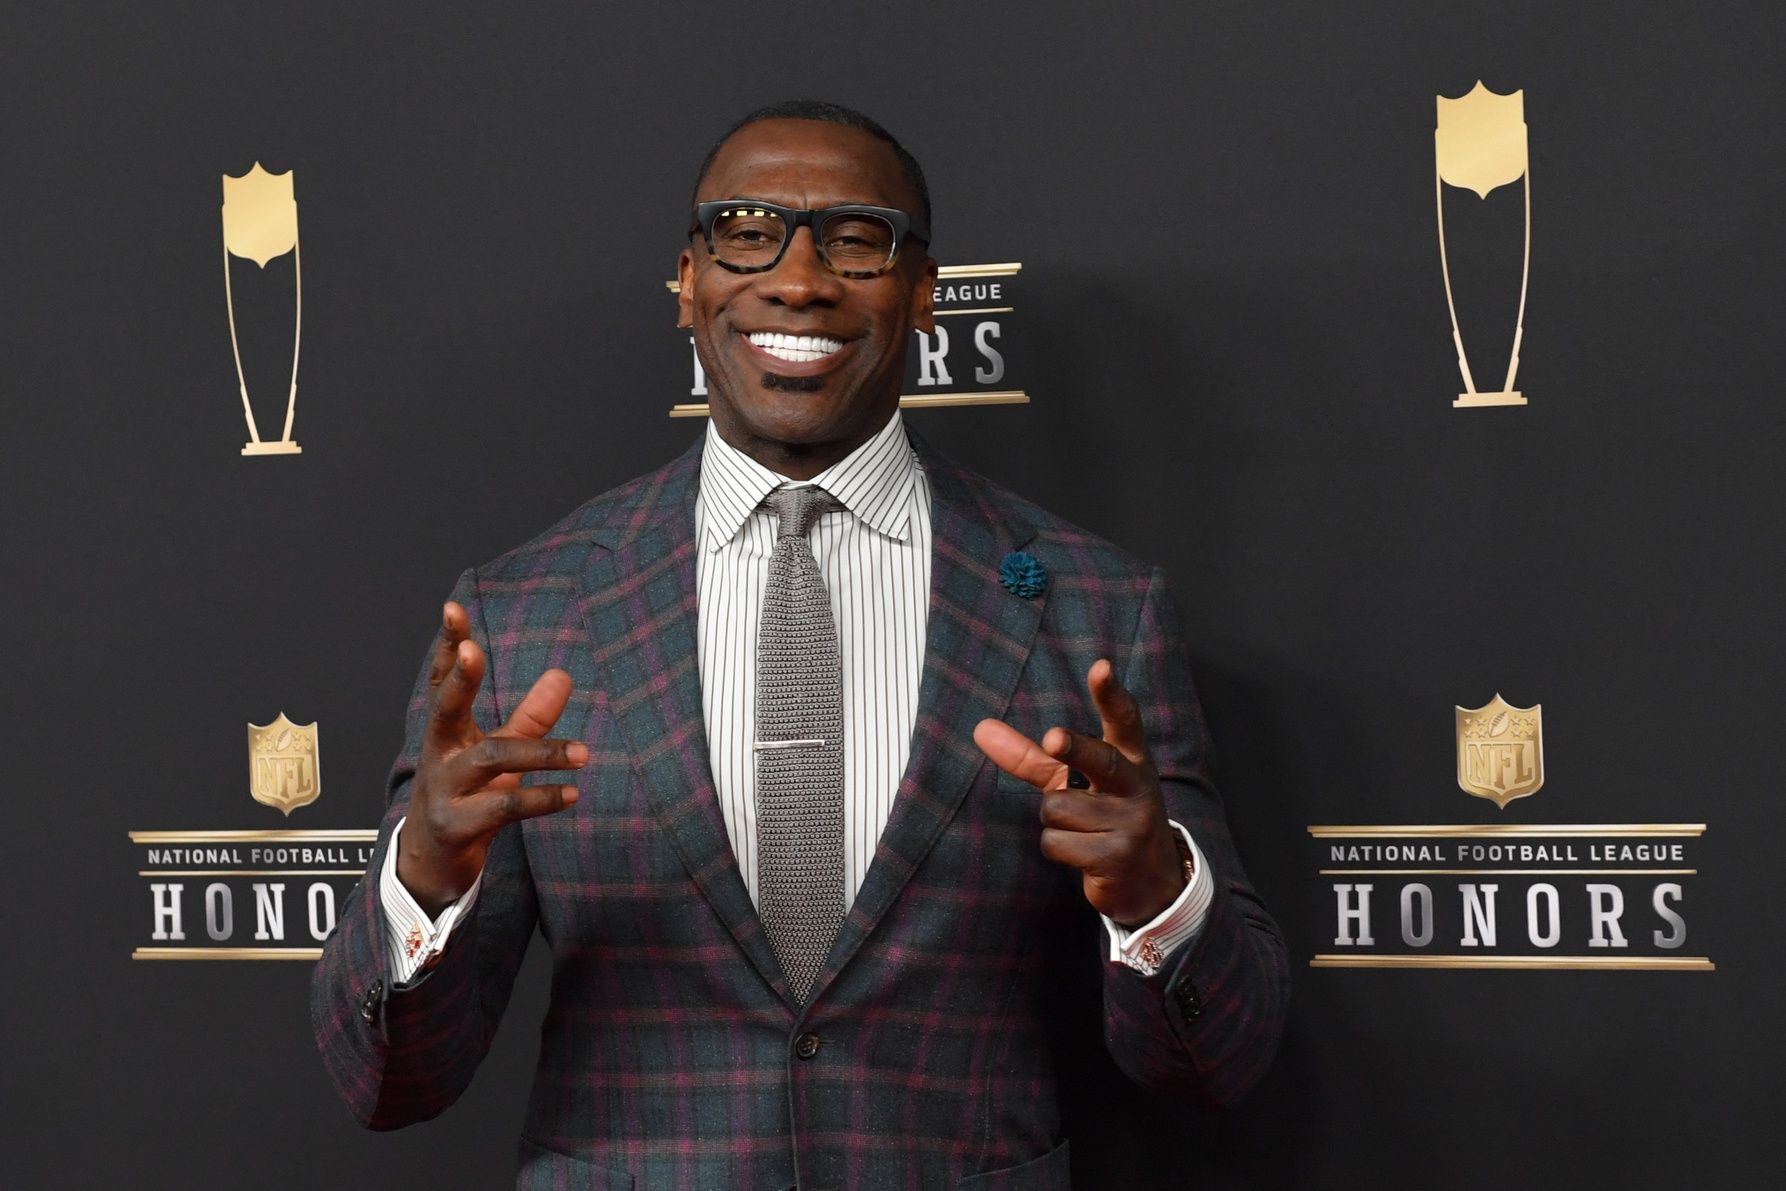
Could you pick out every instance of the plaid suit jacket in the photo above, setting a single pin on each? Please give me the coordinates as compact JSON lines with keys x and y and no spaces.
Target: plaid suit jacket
{"x":672,"y":1056}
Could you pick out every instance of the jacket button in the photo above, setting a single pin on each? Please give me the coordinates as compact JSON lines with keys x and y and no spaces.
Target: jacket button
{"x":806,"y":1046}
{"x":1188,"y":1000}
{"x":369,"y":1003}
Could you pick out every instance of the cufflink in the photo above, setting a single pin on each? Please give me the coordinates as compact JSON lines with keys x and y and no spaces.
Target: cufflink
{"x":1151,"y":956}
{"x":1148,"y":962}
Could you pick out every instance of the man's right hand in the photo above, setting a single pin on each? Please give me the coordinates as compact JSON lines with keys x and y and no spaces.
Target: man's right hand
{"x":467,"y":784}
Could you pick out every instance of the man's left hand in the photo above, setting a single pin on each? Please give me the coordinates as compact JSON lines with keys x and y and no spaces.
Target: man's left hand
{"x":1116,"y":832}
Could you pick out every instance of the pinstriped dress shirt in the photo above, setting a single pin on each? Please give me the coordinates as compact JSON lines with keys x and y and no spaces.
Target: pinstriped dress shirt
{"x":874,"y":556}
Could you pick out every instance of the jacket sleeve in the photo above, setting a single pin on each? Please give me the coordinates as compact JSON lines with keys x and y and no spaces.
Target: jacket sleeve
{"x":400,"y":1055}
{"x":1205,"y":1026}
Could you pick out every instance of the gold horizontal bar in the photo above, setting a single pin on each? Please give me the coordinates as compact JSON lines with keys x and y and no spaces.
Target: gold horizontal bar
{"x":1510,"y":872}
{"x":1478,"y":400}
{"x":976,"y":310}
{"x":350,"y":835}
{"x":251,"y":872}
{"x":909,"y":401}
{"x":937,"y":400}
{"x":1619,"y":963}
{"x":227,"y":953}
{"x":1494,"y":829}
{"x":1002,"y":269}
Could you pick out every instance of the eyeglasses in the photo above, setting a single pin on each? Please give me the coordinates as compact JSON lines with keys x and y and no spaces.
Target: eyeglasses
{"x":854,"y":240}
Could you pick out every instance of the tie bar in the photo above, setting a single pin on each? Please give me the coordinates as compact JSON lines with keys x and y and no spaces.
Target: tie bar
{"x":788,"y":744}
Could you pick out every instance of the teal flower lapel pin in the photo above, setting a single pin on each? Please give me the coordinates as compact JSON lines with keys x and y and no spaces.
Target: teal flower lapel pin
{"x":1022,"y":575}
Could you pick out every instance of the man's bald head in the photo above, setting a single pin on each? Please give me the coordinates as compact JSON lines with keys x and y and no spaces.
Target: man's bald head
{"x":829,"y":113}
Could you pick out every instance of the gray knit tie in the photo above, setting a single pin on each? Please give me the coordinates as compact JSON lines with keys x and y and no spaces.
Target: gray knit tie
{"x":799,"y":748}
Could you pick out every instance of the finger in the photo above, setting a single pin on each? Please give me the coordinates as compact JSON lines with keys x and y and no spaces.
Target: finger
{"x":458,"y":690}
{"x":1017,"y":754}
{"x":1110,"y":772}
{"x":494,"y":809}
{"x":455,"y":626}
{"x":1081,"y":849}
{"x":493,"y":756}
{"x":1116,"y":707}
{"x":540,"y":708}
{"x":577,"y":755}
{"x":1077,"y":810}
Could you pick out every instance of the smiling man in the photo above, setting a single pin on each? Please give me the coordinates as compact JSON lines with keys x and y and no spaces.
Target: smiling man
{"x":803,"y":336}
{"x":842,"y":765}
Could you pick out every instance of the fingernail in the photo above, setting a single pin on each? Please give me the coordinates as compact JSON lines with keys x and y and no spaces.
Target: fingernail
{"x":577,"y":754}
{"x":571,"y":794}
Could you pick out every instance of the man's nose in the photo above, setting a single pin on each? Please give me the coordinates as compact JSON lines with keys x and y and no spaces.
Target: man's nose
{"x":800,"y":278}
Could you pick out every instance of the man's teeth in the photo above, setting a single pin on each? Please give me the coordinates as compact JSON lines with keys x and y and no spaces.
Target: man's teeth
{"x":795,"y":349}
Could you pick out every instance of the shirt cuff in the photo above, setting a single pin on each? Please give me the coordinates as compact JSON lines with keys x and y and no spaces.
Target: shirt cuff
{"x":413,"y":942}
{"x":1146,"y":948}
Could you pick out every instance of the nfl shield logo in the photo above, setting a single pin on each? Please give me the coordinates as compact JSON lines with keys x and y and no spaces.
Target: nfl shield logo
{"x":1480,"y":141}
{"x":260,"y":215}
{"x":1500,"y":750}
{"x":283,"y":764}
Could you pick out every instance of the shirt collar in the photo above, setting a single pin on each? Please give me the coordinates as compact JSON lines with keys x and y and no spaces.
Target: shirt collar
{"x":875,"y":482}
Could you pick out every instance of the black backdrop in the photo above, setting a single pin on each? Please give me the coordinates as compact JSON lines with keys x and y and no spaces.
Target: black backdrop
{"x":1240,"y":366}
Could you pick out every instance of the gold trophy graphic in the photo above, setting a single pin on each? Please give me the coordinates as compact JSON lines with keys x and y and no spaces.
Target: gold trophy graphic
{"x":1480,"y":145}
{"x":260,"y":222}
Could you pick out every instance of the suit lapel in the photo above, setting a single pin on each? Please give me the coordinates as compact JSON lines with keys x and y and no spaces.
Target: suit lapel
{"x":977,"y":641}
{"x":640,"y":605}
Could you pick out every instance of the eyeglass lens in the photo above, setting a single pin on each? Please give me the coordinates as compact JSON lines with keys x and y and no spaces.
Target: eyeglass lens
{"x":751,"y":237}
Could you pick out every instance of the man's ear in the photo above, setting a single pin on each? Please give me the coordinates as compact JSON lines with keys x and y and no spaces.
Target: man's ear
{"x":685,"y":284}
{"x":924,"y":298}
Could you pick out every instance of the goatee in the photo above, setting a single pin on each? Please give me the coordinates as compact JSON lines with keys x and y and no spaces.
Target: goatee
{"x":793,"y":384}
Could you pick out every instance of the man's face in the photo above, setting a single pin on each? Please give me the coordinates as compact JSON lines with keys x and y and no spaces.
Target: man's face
{"x":788,"y":413}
